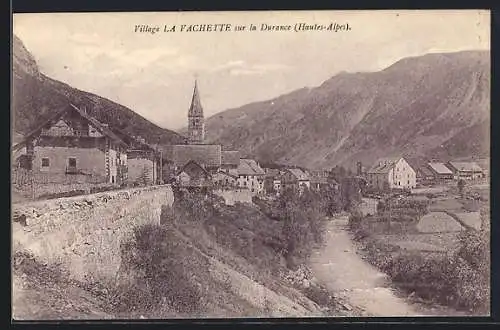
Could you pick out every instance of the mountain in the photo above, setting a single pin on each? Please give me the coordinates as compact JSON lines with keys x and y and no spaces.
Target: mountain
{"x":436,"y":105}
{"x":36,"y":97}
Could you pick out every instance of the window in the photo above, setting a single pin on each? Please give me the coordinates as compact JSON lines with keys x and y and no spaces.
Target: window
{"x":72,"y":162}
{"x":45,"y":162}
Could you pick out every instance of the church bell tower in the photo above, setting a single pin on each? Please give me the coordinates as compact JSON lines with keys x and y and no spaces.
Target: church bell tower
{"x":196,"y":122}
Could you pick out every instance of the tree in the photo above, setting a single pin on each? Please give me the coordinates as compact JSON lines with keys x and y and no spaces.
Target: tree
{"x":461,"y":186}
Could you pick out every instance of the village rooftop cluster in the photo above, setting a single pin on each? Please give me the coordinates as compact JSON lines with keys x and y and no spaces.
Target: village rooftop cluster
{"x":74,"y":151}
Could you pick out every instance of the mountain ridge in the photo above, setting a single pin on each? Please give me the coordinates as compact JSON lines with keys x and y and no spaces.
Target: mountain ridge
{"x":416,"y":106}
{"x":37,"y":97}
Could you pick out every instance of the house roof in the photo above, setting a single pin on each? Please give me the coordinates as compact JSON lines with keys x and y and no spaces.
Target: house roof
{"x":466,"y":166}
{"x":425,"y":171}
{"x":230,"y":157}
{"x":440,"y":168}
{"x":383,"y":165}
{"x":299,"y":174}
{"x":102,"y":128}
{"x":192,"y":163}
{"x":226,"y":174}
{"x":249,"y":167}
{"x":203,"y":154}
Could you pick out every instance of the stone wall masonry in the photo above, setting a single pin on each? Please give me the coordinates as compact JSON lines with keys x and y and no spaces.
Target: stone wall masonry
{"x":83,"y":234}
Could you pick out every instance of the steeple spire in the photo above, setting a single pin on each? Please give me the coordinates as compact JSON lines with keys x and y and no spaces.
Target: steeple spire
{"x":195,"y":110}
{"x":196,"y":122}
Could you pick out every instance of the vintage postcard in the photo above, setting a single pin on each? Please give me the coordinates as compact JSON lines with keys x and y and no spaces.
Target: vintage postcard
{"x":250,"y":164}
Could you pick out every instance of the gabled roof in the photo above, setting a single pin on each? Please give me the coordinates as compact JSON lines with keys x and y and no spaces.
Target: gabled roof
{"x":466,"y":166}
{"x":299,"y":174}
{"x":203,"y":154}
{"x":195,"y":110}
{"x":230,"y":157}
{"x":226,"y":174}
{"x":102,"y":128}
{"x":192,"y":163}
{"x":440,"y":168}
{"x":249,"y":167}
{"x":383,"y":165}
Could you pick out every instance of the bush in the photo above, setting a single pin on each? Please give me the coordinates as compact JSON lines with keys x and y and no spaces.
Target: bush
{"x":163,"y":277}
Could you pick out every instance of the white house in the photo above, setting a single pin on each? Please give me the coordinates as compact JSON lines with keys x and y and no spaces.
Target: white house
{"x":391,"y":173}
{"x":250,"y":176}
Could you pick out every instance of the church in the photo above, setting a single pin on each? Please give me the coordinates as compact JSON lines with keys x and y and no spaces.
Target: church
{"x":210,"y":157}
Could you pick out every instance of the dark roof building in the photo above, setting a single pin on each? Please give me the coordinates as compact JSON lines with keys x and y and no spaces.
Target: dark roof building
{"x":206,"y":155}
{"x":230,"y":158}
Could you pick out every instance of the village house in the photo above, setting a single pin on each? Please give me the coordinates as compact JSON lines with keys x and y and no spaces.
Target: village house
{"x":251,"y":176}
{"x":295,"y":178}
{"x":72,"y":146}
{"x":193,"y":175}
{"x":391,"y":173}
{"x":272,"y":181}
{"x":225,"y":180}
{"x":465,"y":170}
{"x":440,"y":171}
{"x":144,"y":163}
{"x":320,"y":180}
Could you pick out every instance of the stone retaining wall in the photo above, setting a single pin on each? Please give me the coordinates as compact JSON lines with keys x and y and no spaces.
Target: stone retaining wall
{"x":232,"y":196}
{"x":83,"y":233}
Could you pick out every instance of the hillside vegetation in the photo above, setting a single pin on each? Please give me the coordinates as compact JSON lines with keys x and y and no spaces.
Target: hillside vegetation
{"x":37,"y":97}
{"x":204,"y":259}
{"x":436,"y":105}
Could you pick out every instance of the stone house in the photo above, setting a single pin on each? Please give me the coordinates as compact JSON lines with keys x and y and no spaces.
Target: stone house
{"x":225,"y":180}
{"x":272,"y":181}
{"x":193,"y":175}
{"x":465,"y":170}
{"x":391,"y":173}
{"x":251,"y":176}
{"x":72,"y":146}
{"x":144,"y":166}
{"x":295,"y":178}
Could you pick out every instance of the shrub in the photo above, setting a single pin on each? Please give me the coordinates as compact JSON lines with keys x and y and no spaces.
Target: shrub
{"x":163,"y":276}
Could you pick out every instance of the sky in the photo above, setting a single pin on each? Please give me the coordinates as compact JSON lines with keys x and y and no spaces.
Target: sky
{"x":153,"y":73}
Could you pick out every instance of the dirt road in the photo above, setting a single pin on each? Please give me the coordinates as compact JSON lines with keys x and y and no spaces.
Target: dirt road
{"x":341,"y":270}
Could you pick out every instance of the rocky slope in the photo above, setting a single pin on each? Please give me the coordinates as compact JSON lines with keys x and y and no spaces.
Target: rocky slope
{"x":434,"y":105}
{"x":36,"y":97}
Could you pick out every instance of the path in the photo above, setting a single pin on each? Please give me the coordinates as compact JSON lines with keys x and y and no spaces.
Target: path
{"x":344,"y":272}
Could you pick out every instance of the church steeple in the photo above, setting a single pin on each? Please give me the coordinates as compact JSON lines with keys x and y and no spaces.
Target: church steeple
{"x":196,"y":122}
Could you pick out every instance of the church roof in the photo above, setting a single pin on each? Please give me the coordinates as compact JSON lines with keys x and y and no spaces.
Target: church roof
{"x":195,"y":110}
{"x":203,"y":154}
{"x":230,"y":157}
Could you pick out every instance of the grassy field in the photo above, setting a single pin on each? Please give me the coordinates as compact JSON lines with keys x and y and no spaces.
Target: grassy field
{"x":440,"y":259}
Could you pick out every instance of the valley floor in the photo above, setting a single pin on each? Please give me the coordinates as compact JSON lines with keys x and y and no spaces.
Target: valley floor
{"x":343,"y":271}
